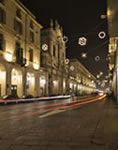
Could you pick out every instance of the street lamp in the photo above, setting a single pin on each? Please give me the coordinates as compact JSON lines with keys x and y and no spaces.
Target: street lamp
{"x":8,"y":56}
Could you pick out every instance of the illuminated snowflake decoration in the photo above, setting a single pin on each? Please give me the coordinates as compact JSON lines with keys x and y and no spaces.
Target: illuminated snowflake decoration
{"x":72,"y":68}
{"x":67,"y":61}
{"x":82,"y":41}
{"x":97,"y":58}
{"x":65,"y":38}
{"x":102,"y":35}
{"x":84,"y":55}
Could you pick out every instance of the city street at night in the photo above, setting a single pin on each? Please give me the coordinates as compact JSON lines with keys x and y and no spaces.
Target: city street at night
{"x":58,"y":75}
{"x":55,"y":125}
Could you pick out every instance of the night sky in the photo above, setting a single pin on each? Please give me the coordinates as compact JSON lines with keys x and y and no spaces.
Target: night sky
{"x":78,"y":18}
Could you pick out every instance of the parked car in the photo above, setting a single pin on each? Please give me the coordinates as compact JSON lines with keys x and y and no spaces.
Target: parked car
{"x":10,"y":97}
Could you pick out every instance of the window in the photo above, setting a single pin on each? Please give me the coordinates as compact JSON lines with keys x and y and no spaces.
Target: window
{"x":19,"y":53}
{"x":17,"y":46}
{"x":2,"y":1}
{"x":2,"y":16}
{"x":18,"y":27}
{"x":54,"y":51}
{"x":18,"y":13}
{"x":1,"y":42}
{"x":31,"y":55}
{"x":31,"y":38}
{"x":31,"y":25}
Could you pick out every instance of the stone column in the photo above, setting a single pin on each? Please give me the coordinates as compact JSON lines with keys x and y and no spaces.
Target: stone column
{"x":8,"y":79}
{"x":37,"y":86}
{"x":24,"y":81}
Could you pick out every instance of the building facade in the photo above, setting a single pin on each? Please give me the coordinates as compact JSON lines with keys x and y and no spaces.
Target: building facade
{"x":112,"y":16}
{"x":19,"y":50}
{"x":81,"y":81}
{"x":53,"y":56}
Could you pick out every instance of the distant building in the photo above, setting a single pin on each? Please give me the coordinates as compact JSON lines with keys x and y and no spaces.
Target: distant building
{"x":81,"y":81}
{"x":53,"y":56}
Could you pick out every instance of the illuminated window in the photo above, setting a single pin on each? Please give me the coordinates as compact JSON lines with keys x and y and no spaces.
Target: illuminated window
{"x":18,"y":27}
{"x":2,"y":16}
{"x":31,"y":37}
{"x":1,"y":42}
{"x":18,"y":13}
{"x":31,"y":55}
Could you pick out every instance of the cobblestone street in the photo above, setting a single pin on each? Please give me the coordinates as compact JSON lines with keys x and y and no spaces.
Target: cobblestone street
{"x":81,"y":127}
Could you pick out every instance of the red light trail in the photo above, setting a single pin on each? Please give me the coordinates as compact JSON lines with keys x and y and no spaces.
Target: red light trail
{"x":73,"y":104}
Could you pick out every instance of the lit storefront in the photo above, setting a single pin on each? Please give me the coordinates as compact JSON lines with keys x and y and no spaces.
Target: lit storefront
{"x":30,"y":83}
{"x":42,"y":83}
{"x":55,"y":87}
{"x":2,"y":80}
{"x":16,"y":83}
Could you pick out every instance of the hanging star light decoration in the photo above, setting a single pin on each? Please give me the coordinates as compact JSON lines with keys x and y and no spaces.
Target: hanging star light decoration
{"x":102,"y":35}
{"x":84,"y":55}
{"x":82,"y":41}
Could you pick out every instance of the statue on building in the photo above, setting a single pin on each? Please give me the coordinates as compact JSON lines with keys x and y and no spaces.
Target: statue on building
{"x":51,"y":23}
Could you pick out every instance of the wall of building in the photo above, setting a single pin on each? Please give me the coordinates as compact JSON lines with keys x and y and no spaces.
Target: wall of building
{"x":20,"y":71}
{"x":112,"y":16}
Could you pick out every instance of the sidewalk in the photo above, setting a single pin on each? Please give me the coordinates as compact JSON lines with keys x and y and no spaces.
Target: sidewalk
{"x":111,"y":125}
{"x":106,"y":134}
{"x":6,"y":101}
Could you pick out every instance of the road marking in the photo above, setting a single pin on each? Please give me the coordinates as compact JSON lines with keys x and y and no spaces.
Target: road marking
{"x":51,"y":113}
{"x":56,"y":112}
